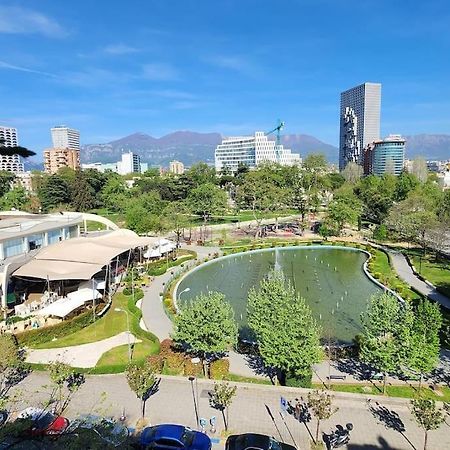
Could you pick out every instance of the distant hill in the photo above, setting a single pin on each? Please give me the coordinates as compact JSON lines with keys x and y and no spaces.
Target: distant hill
{"x":430,"y":146}
{"x":188,"y":147}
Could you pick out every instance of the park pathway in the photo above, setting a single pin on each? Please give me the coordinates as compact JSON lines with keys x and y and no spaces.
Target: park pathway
{"x":406,"y":273}
{"x":84,"y":355}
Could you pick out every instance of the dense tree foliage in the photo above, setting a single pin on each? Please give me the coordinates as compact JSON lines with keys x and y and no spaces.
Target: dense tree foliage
{"x":206,"y":326}
{"x":286,"y":333}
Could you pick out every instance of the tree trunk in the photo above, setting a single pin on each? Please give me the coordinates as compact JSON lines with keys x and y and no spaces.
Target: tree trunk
{"x":226,"y":425}
{"x":425,"y":440}
{"x":143,"y":408}
{"x":317,"y":430}
{"x":384,"y":382}
{"x":224,"y":420}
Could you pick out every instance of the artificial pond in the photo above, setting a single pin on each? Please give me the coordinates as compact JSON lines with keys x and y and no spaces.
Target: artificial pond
{"x":331,"y":279}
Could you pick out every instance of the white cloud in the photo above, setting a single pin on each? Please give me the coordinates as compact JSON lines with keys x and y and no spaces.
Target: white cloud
{"x":8,"y":66}
{"x":120,"y":49}
{"x":17,"y":20}
{"x":159,"y":72}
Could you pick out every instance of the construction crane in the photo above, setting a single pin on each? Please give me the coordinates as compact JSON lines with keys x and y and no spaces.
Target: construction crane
{"x":277,"y":129}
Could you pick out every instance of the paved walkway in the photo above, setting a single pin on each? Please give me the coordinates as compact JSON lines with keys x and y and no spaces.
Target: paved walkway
{"x":405,"y":272}
{"x":256,"y":408}
{"x":85,"y":355}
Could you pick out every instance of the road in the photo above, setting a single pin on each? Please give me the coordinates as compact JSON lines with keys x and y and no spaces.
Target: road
{"x":251,"y":411}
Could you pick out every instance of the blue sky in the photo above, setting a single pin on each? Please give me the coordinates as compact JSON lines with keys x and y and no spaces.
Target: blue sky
{"x":110,"y":68}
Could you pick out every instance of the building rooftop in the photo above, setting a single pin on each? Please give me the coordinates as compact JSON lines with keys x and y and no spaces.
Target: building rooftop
{"x":16,"y":224}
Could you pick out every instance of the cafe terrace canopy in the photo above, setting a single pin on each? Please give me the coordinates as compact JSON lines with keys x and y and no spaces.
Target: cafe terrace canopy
{"x":81,"y":258}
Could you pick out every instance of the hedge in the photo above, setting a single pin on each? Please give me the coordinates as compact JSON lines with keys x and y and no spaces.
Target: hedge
{"x":160,"y":267}
{"x":191,"y":369}
{"x":295,"y":381}
{"x":39,"y":336}
{"x":219,"y":369}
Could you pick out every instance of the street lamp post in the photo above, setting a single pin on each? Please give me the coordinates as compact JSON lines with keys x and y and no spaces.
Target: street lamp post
{"x":128,"y":328}
{"x":191,"y":379}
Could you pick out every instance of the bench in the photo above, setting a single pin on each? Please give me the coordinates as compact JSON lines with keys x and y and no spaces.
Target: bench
{"x":337,"y":377}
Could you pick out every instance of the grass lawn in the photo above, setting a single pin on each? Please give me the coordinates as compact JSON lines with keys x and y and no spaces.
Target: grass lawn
{"x":435,"y":271}
{"x":403,"y":391}
{"x":112,"y":323}
{"x":240,"y":379}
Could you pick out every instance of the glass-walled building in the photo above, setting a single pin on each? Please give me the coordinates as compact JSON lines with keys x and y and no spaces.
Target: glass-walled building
{"x":385,"y":157}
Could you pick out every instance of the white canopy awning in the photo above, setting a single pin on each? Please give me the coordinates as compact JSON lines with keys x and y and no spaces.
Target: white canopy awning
{"x":74,"y":300}
{"x":58,"y":270}
{"x":81,"y":258}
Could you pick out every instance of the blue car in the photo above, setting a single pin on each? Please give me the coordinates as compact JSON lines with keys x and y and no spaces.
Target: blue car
{"x":174,"y":437}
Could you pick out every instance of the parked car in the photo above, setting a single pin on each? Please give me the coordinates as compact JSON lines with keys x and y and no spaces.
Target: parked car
{"x":252,"y":441}
{"x":109,"y":431}
{"x":44,"y":422}
{"x":171,"y":437}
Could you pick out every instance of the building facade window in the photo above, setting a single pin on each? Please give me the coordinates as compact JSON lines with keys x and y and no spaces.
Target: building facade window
{"x":13,"y":247}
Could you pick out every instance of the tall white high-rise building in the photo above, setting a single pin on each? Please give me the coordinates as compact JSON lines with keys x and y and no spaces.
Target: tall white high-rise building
{"x":10,"y":163}
{"x":251,"y":151}
{"x":131,"y":163}
{"x":64,"y":137}
{"x":359,"y":122}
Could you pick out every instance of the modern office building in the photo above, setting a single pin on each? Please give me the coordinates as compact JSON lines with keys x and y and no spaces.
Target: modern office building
{"x":251,"y":151}
{"x":65,"y":137}
{"x":176,"y":167}
{"x":10,"y":163}
{"x":359,"y":122}
{"x":57,"y":158}
{"x":386,"y":156}
{"x":130,"y":163}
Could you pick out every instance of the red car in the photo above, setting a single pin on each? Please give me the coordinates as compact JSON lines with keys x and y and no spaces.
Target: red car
{"x":44,"y":422}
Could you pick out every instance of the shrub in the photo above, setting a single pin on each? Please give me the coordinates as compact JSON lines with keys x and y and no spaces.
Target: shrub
{"x":295,"y":381}
{"x":192,"y":369}
{"x":166,"y":346}
{"x":38,"y":336}
{"x":127,"y":291}
{"x":219,"y":369}
{"x":156,"y":363}
{"x":174,"y":363}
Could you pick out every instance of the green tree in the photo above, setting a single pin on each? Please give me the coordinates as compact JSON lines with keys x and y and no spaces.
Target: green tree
{"x":16,"y":198}
{"x":286,"y":333}
{"x":11,"y":366}
{"x":142,"y":382}
{"x":206,"y":326}
{"x":406,"y":182}
{"x":114,"y":193}
{"x":65,"y":383}
{"x":6,"y":179}
{"x":344,"y":209}
{"x":352,"y":172}
{"x":385,"y":339}
{"x":320,"y":404}
{"x":54,"y":192}
{"x":424,"y":343}
{"x":221,"y":399}
{"x":83,"y":194}
{"x":315,"y":162}
{"x":200,"y":174}
{"x":176,"y":215}
{"x":427,"y":415}
{"x":206,"y":200}
{"x":261,"y":192}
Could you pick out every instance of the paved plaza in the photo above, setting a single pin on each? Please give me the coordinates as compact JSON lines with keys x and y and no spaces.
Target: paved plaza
{"x":381,"y":423}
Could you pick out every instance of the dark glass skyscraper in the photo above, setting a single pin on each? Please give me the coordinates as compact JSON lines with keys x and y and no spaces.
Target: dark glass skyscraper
{"x":359,"y":122}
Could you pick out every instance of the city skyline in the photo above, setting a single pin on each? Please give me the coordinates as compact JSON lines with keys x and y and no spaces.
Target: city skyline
{"x":190,"y":65}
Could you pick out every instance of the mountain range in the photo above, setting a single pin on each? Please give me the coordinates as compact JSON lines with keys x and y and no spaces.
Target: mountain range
{"x":190,"y":147}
